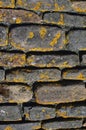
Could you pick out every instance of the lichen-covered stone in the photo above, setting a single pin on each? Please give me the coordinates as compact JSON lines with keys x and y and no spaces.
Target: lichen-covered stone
{"x":83,"y":57}
{"x":21,"y":126}
{"x":15,"y":93}
{"x":64,"y":19}
{"x":37,"y":38}
{"x":31,"y":76}
{"x":10,"y":16}
{"x":2,"y":75}
{"x":10,"y":113}
{"x":76,"y":40}
{"x":12,"y":59}
{"x":3,"y":36}
{"x":57,"y":93}
{"x":39,"y":113}
{"x":7,"y":3}
{"x":67,"y":124}
{"x":53,"y":60}
{"x":75,"y":74}
{"x":72,"y":111}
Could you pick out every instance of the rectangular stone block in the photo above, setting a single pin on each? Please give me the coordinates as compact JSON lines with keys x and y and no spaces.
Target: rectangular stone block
{"x":75,"y":74}
{"x":72,"y":111}
{"x":10,"y":113}
{"x":7,"y":3}
{"x":10,"y":16}
{"x":2,"y":75}
{"x":83,"y":57}
{"x":53,"y":60}
{"x":67,"y":124}
{"x":65,"y":19}
{"x":31,"y":76}
{"x":37,"y":38}
{"x":58,"y":93}
{"x":36,"y":5}
{"x":3,"y":36}
{"x":8,"y":59}
{"x":15,"y":93}
{"x":76,"y":40}
{"x":39,"y":113}
{"x":21,"y":126}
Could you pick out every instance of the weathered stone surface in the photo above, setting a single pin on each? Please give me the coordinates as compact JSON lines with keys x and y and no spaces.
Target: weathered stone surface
{"x":37,"y":38}
{"x":83,"y":59}
{"x":65,"y":19}
{"x":12,"y":59}
{"x":57,"y":93}
{"x":72,"y":111}
{"x":37,"y":5}
{"x":56,"y":125}
{"x":75,"y":73}
{"x":15,"y":93}
{"x":52,"y":60}
{"x":10,"y":113}
{"x":31,"y":76}
{"x":76,"y":40}
{"x":23,"y":126}
{"x":39,"y":113}
{"x":3,"y":36}
{"x":7,"y":3}
{"x":2,"y":75}
{"x":10,"y":16}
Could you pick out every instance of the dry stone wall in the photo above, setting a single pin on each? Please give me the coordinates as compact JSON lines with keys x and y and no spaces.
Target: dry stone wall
{"x":42,"y":64}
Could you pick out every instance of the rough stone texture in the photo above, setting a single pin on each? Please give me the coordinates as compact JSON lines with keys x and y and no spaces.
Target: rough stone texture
{"x":3,"y":36}
{"x":65,"y":19}
{"x":15,"y":93}
{"x":72,"y":111}
{"x":57,"y":93}
{"x":53,"y":60}
{"x":75,"y":73}
{"x":55,"y":125}
{"x":23,"y":126}
{"x":7,"y":3}
{"x":39,"y":113}
{"x":31,"y":76}
{"x":10,"y":113}
{"x":10,"y":16}
{"x":76,"y":40}
{"x":83,"y":62}
{"x":2,"y":75}
{"x":12,"y":59}
{"x":37,"y":38}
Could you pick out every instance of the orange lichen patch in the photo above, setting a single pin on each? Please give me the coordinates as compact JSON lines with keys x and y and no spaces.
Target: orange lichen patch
{"x":61,"y":21}
{"x":37,"y":6}
{"x":18,"y":20}
{"x":8,"y":128}
{"x":42,"y":32}
{"x":31,"y":35}
{"x":59,"y":8}
{"x":55,"y":39}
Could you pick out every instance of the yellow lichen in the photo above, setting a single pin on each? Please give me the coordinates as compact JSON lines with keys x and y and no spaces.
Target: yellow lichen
{"x":37,"y":6}
{"x":44,"y":76}
{"x":18,"y":20}
{"x":59,"y":8}
{"x":43,"y":110}
{"x":31,"y":59}
{"x":42,"y":32}
{"x":27,"y":116}
{"x":62,"y":114}
{"x":20,"y":2}
{"x":80,"y":10}
{"x":31,"y":35}
{"x":41,"y":49}
{"x":1,"y":3}
{"x":80,"y":76}
{"x":55,"y":39}
{"x":8,"y":128}
{"x":61,"y":21}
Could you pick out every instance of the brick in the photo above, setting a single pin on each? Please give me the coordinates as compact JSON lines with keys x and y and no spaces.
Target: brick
{"x":47,"y":60}
{"x":78,"y":111}
{"x":76,"y":40}
{"x":57,"y":93}
{"x":12,"y":59}
{"x":15,"y":93}
{"x":10,"y":16}
{"x":7,"y":3}
{"x":3,"y":36}
{"x":56,"y":125}
{"x":10,"y":113}
{"x":39,"y":113}
{"x":31,"y":76}
{"x":75,"y":74}
{"x":2,"y":75}
{"x":36,"y":5}
{"x":37,"y":38}
{"x":64,"y":19}
{"x":23,"y":126}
